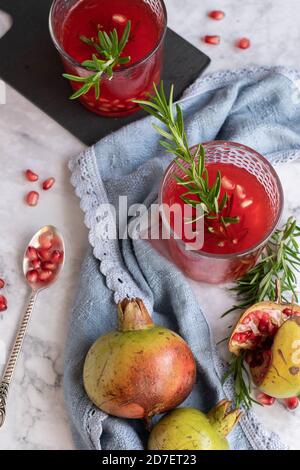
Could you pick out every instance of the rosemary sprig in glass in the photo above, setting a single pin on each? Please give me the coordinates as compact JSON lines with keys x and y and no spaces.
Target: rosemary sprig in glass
{"x":109,"y":48}
{"x":175,"y":141}
{"x":278,"y":263}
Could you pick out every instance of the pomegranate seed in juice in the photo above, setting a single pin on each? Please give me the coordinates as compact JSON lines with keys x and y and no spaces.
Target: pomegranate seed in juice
{"x":47,"y":265}
{"x":291,"y":403}
{"x":243,"y":43}
{"x":32,"y":275}
{"x":31,"y":176}
{"x":3,"y":303}
{"x":216,"y":15}
{"x":214,"y":40}
{"x":46,"y":239}
{"x":2,"y":283}
{"x":147,"y":29}
{"x":44,"y":254}
{"x":48,"y":183}
{"x":32,"y":198}
{"x":56,"y":256}
{"x":45,"y":275}
{"x":36,"y":263}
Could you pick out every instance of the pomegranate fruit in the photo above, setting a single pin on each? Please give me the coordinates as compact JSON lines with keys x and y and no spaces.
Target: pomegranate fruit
{"x":270,"y":333}
{"x":31,"y":176}
{"x":140,"y":370}
{"x":3,"y":303}
{"x":190,"y":429}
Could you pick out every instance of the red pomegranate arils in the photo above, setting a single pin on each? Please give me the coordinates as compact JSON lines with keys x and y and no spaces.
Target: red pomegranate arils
{"x":243,"y":43}
{"x":3,"y":303}
{"x":265,"y":399}
{"x":47,"y":265}
{"x":214,"y":40}
{"x":32,"y":275}
{"x":36,"y":263}
{"x":56,"y":256}
{"x":45,"y":275}
{"x":216,"y":15}
{"x":288,"y":312}
{"x":31,"y":176}
{"x":2,"y":283}
{"x":264,"y":324}
{"x":32,"y":253}
{"x":48,"y":183}
{"x":291,"y":403}
{"x":44,"y":254}
{"x":32,"y":198}
{"x":46,"y":239}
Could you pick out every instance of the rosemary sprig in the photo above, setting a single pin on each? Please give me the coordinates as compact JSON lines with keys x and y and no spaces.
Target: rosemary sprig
{"x":195,"y":173}
{"x":278,"y":263}
{"x":109,"y":48}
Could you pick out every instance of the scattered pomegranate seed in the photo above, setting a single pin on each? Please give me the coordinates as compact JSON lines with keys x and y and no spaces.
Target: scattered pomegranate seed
{"x":243,"y":43}
{"x":216,"y":15}
{"x":214,"y":40}
{"x":56,"y":256}
{"x":288,"y":312}
{"x":31,"y":176}
{"x":45,"y":275}
{"x":3,"y":303}
{"x":46,"y":239}
{"x":291,"y":403}
{"x":48,"y":183}
{"x":47,"y":265}
{"x":2,"y":283}
{"x":32,"y":275}
{"x":32,"y":198}
{"x":44,"y":254}
{"x":265,"y":399}
{"x":36,"y":263}
{"x":32,"y":253}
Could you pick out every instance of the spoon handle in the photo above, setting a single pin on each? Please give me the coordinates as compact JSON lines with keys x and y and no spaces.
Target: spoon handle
{"x":12,"y":361}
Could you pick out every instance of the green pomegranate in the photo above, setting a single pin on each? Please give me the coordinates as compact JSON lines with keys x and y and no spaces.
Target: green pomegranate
{"x":270,"y":333}
{"x":140,"y":370}
{"x":190,"y":429}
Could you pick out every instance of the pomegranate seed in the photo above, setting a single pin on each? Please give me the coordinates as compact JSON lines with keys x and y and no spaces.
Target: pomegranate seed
{"x":36,"y":263}
{"x":45,"y":239}
{"x":118,"y":18}
{"x":3,"y":303}
{"x":32,"y":198}
{"x":45,"y":275}
{"x":264,"y":323}
{"x":214,"y":40}
{"x":47,"y":265}
{"x":47,"y":184}
{"x":288,"y":311}
{"x":2,"y":283}
{"x":265,"y":399}
{"x":32,"y":275}
{"x":243,"y":43}
{"x":243,"y":337}
{"x":32,"y":253}
{"x":273,"y":329}
{"x":31,"y":176}
{"x":56,"y":256}
{"x":216,"y":15}
{"x":291,"y":403}
{"x":44,"y":254}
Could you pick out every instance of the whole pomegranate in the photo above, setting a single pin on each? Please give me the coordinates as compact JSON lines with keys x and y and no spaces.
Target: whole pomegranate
{"x":141,"y":370}
{"x":270,"y":332}
{"x":190,"y":429}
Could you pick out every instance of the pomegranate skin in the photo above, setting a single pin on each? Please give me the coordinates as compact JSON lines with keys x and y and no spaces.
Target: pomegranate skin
{"x":139,"y":373}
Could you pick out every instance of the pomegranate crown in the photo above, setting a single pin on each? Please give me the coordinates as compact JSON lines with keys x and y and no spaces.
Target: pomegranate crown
{"x":222,"y":419}
{"x":133,"y":315}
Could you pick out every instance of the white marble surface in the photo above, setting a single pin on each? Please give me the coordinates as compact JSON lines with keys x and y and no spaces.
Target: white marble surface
{"x":36,"y":415}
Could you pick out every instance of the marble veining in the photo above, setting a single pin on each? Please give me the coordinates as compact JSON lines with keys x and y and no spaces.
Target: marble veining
{"x":30,"y":139}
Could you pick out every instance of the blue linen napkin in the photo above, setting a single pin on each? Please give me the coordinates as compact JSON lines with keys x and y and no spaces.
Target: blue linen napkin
{"x":258,"y":107}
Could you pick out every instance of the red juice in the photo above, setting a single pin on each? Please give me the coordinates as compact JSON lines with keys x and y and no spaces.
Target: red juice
{"x":254,"y":196}
{"x":133,"y":80}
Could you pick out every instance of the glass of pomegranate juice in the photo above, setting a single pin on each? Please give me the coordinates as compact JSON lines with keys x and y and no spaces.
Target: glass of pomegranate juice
{"x":117,"y":42}
{"x":255,"y":199}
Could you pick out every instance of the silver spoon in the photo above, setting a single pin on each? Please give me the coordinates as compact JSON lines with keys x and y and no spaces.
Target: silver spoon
{"x":36,"y":288}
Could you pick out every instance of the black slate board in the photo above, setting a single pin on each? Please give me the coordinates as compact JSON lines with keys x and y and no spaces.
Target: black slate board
{"x":30,"y":64}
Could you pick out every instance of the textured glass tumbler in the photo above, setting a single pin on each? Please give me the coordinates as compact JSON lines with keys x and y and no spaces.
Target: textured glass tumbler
{"x":128,"y":83}
{"x":220,"y":268}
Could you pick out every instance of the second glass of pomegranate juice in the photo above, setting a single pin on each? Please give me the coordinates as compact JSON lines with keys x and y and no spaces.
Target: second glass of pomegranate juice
{"x":71,"y":19}
{"x":255,"y":196}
